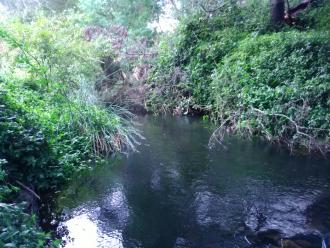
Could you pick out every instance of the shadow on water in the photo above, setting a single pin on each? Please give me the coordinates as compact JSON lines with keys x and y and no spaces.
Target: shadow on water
{"x":177,"y":193}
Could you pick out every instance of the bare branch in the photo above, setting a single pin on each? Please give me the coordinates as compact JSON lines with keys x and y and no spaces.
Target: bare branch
{"x":299,"y":7}
{"x":28,"y":189}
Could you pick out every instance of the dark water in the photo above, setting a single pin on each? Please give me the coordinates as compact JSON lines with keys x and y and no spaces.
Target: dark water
{"x":177,"y":193}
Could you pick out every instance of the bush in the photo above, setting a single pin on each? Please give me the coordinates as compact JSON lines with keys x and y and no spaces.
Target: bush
{"x":277,"y":86}
{"x":182,"y":72}
{"x":317,"y":17}
{"x":24,"y":145}
{"x":51,"y":122}
{"x":51,"y":73}
{"x":18,"y":229}
{"x":254,"y":79}
{"x":204,"y":59}
{"x":5,"y":190}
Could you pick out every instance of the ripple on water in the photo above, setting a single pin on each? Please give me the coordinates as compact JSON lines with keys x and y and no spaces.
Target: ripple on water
{"x":177,"y":193}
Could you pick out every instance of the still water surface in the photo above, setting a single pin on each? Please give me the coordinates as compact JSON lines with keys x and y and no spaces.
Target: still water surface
{"x":178,"y":193}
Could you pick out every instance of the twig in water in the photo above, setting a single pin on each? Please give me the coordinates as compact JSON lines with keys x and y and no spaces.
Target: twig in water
{"x":217,"y":136}
{"x":246,"y":239}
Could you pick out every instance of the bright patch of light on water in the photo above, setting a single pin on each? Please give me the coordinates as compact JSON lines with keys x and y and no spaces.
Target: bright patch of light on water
{"x":85,"y":233}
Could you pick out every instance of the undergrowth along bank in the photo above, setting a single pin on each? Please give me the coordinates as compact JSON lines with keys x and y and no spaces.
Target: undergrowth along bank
{"x":52,"y":123}
{"x":252,"y":78}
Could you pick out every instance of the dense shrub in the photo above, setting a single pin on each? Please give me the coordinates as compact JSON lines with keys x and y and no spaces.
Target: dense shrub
{"x":182,"y":79}
{"x":316,"y":17}
{"x":186,"y":59}
{"x":51,"y":121}
{"x":18,"y":229}
{"x":24,"y":145}
{"x":278,"y":86}
{"x":5,"y":190}
{"x":247,"y":75}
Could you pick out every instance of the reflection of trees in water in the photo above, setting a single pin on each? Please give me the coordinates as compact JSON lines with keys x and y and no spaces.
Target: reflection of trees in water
{"x":177,"y":192}
{"x":114,"y":209}
{"x":273,"y":206}
{"x":231,"y":189}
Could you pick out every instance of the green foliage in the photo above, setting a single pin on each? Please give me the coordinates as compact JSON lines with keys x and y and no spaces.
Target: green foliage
{"x":204,"y":58}
{"x":258,"y":82}
{"x":18,"y":229}
{"x":167,"y":78}
{"x":52,"y":49}
{"x":278,"y":86}
{"x":317,"y":17}
{"x":28,"y":8}
{"x":51,"y":121}
{"x":134,"y":15}
{"x":23,"y":145}
{"x":248,"y":15}
{"x":97,"y":12}
{"x":5,"y":190}
{"x":186,"y":61}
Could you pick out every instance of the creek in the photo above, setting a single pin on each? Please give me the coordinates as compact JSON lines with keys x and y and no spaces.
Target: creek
{"x":176,"y":192}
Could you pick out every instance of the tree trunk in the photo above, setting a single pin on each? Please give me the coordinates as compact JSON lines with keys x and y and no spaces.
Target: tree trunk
{"x":277,"y":8}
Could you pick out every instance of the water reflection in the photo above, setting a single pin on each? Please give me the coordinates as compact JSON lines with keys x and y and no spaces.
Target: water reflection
{"x":178,"y":193}
{"x":114,"y":206}
{"x":89,"y":226}
{"x":85,"y":233}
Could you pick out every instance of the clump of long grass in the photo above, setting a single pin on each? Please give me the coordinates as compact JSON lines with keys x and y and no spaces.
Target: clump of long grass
{"x":63,"y":67}
{"x":109,"y":128}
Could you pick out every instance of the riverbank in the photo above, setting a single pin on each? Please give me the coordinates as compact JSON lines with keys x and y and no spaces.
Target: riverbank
{"x":52,"y":123}
{"x":64,"y":71}
{"x":252,"y":78}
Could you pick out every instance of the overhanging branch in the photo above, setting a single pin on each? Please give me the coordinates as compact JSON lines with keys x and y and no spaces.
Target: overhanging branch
{"x":299,"y":7}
